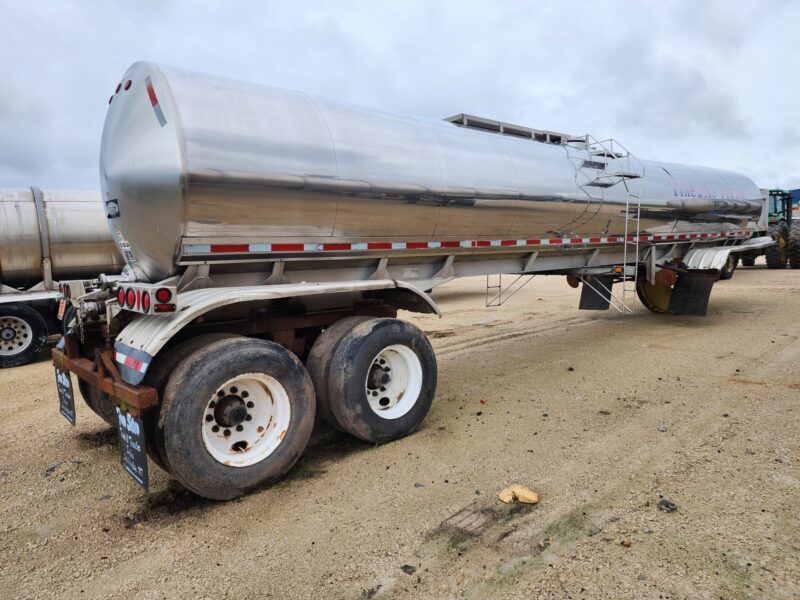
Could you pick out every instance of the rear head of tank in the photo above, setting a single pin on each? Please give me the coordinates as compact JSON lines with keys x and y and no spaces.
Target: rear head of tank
{"x":142,"y":170}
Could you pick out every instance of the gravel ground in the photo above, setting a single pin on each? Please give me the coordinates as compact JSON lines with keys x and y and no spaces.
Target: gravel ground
{"x":602,"y":415}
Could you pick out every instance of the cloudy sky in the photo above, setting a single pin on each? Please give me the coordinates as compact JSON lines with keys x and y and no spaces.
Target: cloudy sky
{"x":715,"y":83}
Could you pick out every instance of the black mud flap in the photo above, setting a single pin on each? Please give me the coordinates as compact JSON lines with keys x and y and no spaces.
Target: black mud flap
{"x":691,"y":293}
{"x":596,"y":292}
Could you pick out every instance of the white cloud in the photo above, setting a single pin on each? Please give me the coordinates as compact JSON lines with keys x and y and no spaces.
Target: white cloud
{"x":708,"y":83}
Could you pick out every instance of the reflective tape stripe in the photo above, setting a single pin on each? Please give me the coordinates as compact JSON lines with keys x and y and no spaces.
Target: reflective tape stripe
{"x":191,"y":249}
{"x":131,"y":362}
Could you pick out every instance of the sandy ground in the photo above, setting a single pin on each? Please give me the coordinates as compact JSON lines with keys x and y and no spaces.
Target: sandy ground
{"x":602,"y":415}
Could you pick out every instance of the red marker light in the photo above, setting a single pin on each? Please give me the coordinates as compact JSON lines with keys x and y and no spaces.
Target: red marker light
{"x":130,"y":298}
{"x":121,"y":296}
{"x":119,"y":86}
{"x":128,"y":84}
{"x":146,"y":302}
{"x":138,"y":299}
{"x":163,"y":295}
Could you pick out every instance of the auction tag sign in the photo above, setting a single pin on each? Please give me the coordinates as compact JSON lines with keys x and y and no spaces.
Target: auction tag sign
{"x":66,"y":398}
{"x":132,"y":452}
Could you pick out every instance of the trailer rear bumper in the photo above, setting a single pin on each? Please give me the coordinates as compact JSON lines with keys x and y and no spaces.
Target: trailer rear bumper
{"x":102,"y":373}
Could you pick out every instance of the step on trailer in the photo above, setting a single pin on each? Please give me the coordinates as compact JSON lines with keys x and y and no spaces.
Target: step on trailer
{"x":46,"y":235}
{"x":271,"y":237}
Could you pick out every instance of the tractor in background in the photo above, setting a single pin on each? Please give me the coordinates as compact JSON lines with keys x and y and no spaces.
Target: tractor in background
{"x":785,"y":228}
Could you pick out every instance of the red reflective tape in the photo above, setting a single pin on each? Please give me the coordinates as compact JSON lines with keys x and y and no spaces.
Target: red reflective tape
{"x":336,"y":247}
{"x":287,"y":247}
{"x":508,"y":242}
{"x":483,"y":243}
{"x":230,"y":248}
{"x":555,"y":241}
{"x":594,"y":240}
{"x":612,"y":239}
{"x":451,"y":244}
{"x":152,"y":94}
{"x":416,"y":245}
{"x":133,"y":363}
{"x":576,"y":240}
{"x":533,"y":242}
{"x":379,"y":246}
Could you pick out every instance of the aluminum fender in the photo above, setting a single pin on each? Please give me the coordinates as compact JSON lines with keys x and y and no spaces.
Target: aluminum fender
{"x":716,"y":257}
{"x":141,"y":340}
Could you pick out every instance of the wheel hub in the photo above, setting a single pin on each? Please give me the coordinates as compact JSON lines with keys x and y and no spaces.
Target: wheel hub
{"x":246,"y":419}
{"x":15,"y":335}
{"x":379,"y":376}
{"x":230,"y":411}
{"x":394,"y":381}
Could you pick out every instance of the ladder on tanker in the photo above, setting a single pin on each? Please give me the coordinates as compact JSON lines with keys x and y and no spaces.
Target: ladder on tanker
{"x":605,"y":165}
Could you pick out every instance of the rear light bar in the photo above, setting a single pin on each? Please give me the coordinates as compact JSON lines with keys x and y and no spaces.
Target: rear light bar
{"x":146,"y":298}
{"x":72,"y":290}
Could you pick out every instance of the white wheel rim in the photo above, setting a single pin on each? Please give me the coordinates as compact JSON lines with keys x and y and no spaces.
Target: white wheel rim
{"x":15,"y":336}
{"x":239,"y":440}
{"x":394,"y":381}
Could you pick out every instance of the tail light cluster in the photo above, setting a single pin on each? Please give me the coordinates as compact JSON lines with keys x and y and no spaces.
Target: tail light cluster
{"x":147,"y":299}
{"x":74,"y":289}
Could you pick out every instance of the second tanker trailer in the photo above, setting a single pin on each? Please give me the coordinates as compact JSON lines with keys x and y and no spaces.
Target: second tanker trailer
{"x":272,"y":237}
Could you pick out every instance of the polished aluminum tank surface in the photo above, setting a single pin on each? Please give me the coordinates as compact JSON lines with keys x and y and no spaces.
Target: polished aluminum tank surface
{"x":79,"y":240}
{"x":189,"y":160}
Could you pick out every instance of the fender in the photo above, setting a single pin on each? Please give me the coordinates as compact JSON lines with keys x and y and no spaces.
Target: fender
{"x":715,"y":257}
{"x":140,"y":340}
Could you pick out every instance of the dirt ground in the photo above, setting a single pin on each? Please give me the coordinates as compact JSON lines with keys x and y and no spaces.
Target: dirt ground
{"x":602,"y":415}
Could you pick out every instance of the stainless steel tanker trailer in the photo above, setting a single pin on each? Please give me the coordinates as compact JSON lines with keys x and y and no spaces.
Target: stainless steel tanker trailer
{"x":46,"y":235}
{"x":271,"y":238}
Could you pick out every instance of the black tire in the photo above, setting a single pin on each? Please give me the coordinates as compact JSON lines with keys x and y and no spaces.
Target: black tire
{"x":655,"y":298}
{"x":730,"y":267}
{"x":67,"y":318}
{"x":23,"y":334}
{"x":748,"y":261}
{"x":794,"y":245}
{"x":319,"y":360}
{"x":357,"y":358}
{"x":158,"y":376}
{"x":191,"y":393}
{"x":777,"y":255}
{"x":99,"y":402}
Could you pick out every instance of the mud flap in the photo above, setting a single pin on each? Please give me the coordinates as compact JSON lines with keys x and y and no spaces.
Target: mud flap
{"x":691,"y":292}
{"x":596,"y":292}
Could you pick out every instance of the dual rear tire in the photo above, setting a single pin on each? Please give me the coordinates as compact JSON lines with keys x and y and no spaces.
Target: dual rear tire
{"x":237,"y":413}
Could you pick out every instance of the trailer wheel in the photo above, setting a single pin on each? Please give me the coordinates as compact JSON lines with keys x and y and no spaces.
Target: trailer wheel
{"x":236,"y":414}
{"x":158,"y":376}
{"x":794,"y":245}
{"x":23,"y":334}
{"x":67,"y":318}
{"x":748,"y":261}
{"x":730,"y":266}
{"x":319,"y":363}
{"x":99,"y":402}
{"x":777,"y":255}
{"x":382,"y":380}
{"x":654,"y":297}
